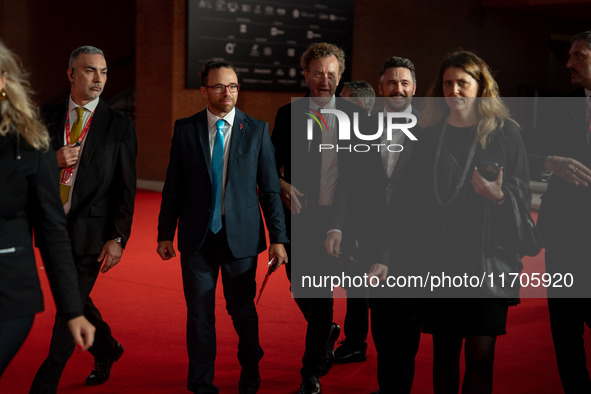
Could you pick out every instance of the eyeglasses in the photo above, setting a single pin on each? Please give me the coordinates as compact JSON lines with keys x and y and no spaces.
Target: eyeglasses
{"x":219,"y":88}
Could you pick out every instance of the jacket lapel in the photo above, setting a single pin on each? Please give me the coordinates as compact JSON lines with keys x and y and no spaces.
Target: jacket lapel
{"x":202,"y":129}
{"x":239,"y":129}
{"x":403,"y":157}
{"x":97,"y":135}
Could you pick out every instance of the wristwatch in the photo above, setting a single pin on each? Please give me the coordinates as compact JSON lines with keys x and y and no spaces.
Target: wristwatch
{"x":118,"y":240}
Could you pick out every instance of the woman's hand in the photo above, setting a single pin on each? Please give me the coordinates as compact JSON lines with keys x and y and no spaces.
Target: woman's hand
{"x":489,"y":189}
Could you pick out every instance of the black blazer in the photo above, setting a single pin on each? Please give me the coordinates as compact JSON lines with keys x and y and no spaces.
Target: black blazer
{"x":565,"y":212}
{"x":366,"y":185}
{"x":186,"y":196}
{"x":292,"y":146}
{"x":29,"y":200}
{"x":104,"y":189}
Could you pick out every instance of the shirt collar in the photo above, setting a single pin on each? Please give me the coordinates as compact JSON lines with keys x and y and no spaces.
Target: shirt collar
{"x":90,"y":106}
{"x":587,"y":93}
{"x":330,"y":104}
{"x":211,"y":118}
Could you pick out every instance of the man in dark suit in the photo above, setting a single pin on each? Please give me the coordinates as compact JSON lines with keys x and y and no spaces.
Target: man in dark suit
{"x":308,"y":179}
{"x":561,"y":154}
{"x":353,"y":347}
{"x":212,"y":193}
{"x":372,"y":190}
{"x":96,"y":150}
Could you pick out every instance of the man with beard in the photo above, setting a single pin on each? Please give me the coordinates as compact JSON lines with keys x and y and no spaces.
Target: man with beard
{"x":221,"y":167}
{"x":561,"y":154}
{"x":372,"y":195}
{"x":96,"y":149}
{"x":397,"y":84}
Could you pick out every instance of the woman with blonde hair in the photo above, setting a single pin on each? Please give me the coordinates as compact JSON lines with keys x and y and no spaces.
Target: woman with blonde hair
{"x":29,"y":201}
{"x":468,"y":172}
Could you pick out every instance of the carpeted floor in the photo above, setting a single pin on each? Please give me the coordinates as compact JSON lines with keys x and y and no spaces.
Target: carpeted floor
{"x":142,"y":299}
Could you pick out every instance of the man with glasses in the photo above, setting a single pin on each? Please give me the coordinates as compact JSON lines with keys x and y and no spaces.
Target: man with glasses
{"x":218,"y":158}
{"x":308,"y":179}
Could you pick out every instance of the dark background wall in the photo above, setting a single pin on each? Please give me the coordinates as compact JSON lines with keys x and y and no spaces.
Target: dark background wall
{"x":43,"y":33}
{"x":524,"y":41}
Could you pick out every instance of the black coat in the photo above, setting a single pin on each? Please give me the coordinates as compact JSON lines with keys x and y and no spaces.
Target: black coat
{"x":565,"y":211}
{"x":30,"y":202}
{"x":105,"y":185}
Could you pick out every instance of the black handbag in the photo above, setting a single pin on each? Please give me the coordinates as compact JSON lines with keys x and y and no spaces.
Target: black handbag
{"x":520,"y":232}
{"x":509,"y":234}
{"x":499,"y":258}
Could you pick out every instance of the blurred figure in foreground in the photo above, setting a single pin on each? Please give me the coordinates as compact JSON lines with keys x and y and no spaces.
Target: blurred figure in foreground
{"x":29,"y":200}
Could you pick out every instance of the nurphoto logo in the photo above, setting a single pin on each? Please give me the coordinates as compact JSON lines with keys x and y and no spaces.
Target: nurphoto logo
{"x":394,"y":121}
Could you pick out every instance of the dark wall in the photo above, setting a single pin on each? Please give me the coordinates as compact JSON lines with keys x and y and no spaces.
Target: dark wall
{"x":145,"y":45}
{"x":43,"y":33}
{"x":520,"y":44}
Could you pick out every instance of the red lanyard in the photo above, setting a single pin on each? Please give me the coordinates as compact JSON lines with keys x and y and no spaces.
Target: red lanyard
{"x":84,"y":131}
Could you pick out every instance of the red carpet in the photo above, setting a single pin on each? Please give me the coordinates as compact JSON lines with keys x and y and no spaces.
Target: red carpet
{"x":142,"y":299}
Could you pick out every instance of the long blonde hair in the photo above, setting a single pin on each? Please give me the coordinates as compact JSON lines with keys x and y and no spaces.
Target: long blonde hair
{"x":18,"y":113}
{"x":492,"y":112}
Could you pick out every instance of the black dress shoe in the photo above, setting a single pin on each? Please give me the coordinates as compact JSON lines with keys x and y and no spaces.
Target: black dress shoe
{"x":249,"y":385}
{"x":102,"y":369}
{"x":310,"y":385}
{"x":335,"y":330}
{"x":350,"y":353}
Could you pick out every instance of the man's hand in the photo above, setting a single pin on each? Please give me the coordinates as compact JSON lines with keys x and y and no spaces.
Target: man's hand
{"x":332,"y":243}
{"x":570,"y":170}
{"x":166,"y":251}
{"x":82,"y":331}
{"x":112,"y":251}
{"x":488,"y":189}
{"x":67,"y":156}
{"x":379,"y":270}
{"x":277,"y":250}
{"x":289,"y":197}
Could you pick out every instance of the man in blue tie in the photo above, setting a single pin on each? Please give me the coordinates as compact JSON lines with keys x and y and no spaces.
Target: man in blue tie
{"x":218,"y":158}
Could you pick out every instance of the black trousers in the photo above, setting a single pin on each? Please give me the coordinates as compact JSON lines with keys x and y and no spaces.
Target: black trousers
{"x":307,"y":256}
{"x":13,"y":333}
{"x":200,"y":273}
{"x":396,"y":331}
{"x":318,"y":313}
{"x":568,"y":317}
{"x":356,"y":320}
{"x":62,"y":345}
{"x":356,"y":325}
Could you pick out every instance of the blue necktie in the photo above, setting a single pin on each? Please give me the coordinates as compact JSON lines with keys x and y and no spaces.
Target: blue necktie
{"x":217,"y":178}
